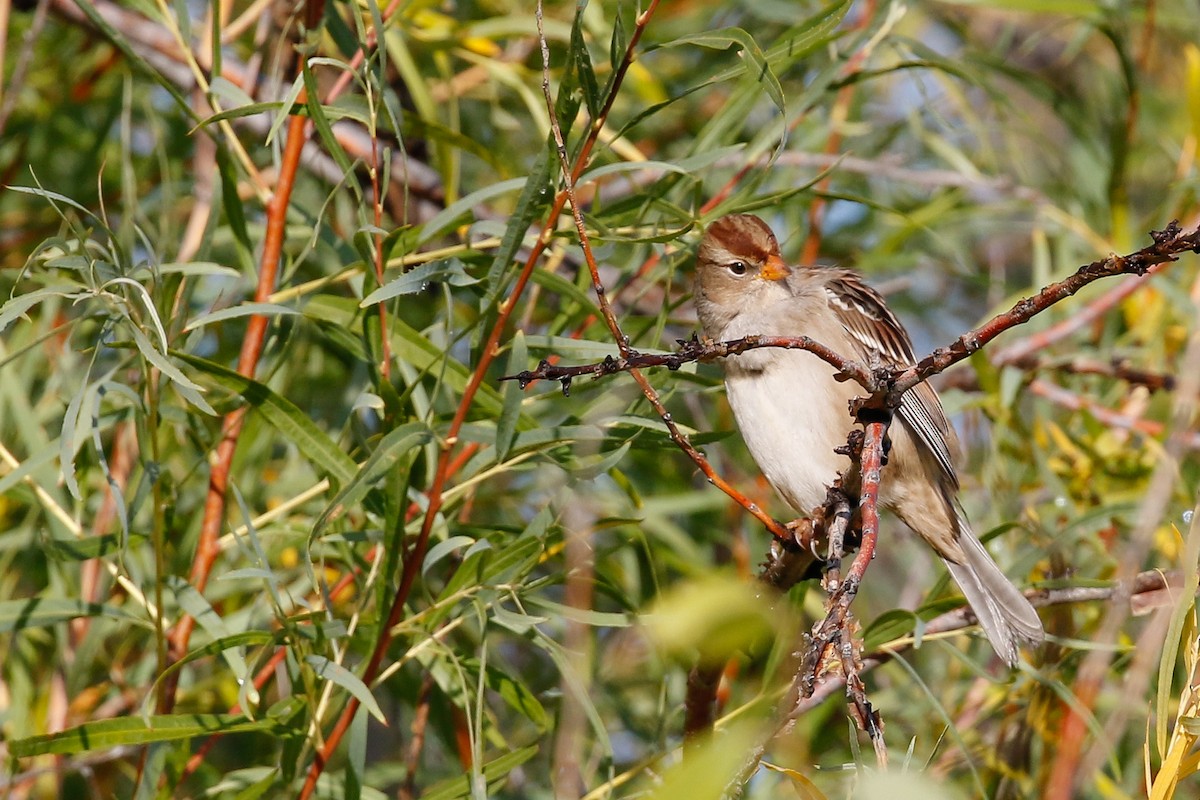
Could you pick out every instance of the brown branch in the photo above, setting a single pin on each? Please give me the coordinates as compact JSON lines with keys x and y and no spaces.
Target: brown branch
{"x":693,"y":350}
{"x":1168,"y":244}
{"x":835,"y":636}
{"x":1016,"y":352}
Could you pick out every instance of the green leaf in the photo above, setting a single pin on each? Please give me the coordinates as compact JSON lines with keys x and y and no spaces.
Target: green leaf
{"x":285,"y":417}
{"x":534,"y":196}
{"x":514,"y":393}
{"x":316,"y":112}
{"x":581,"y":60}
{"x":39,"y":612}
{"x":517,"y":695}
{"x":346,"y":679}
{"x":493,"y":565}
{"x":453,"y":212}
{"x":494,"y":772}
{"x":184,"y":385}
{"x":889,"y":626}
{"x":756,"y":61}
{"x":448,"y":270}
{"x":390,"y":450}
{"x":599,"y":619}
{"x":15,"y":307}
{"x":200,"y":610}
{"x":88,"y":547}
{"x":240,"y":310}
{"x":105,"y":734}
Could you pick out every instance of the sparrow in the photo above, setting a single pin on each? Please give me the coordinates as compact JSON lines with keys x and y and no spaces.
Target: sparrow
{"x":793,"y":412}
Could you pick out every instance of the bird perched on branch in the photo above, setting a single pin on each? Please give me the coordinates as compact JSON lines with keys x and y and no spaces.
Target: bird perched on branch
{"x":793,"y":412}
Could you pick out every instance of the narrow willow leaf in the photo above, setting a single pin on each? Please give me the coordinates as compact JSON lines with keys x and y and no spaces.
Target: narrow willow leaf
{"x":197,"y":268}
{"x":453,"y":212}
{"x":53,"y":197}
{"x":228,"y":92}
{"x":1183,"y":613}
{"x":598,"y":619}
{"x":356,"y":747}
{"x":756,"y":61}
{"x":109,"y":733}
{"x":285,"y":109}
{"x":449,"y":271}
{"x":581,"y":60}
{"x":285,"y":417}
{"x":316,"y":113}
{"x":514,"y":392}
{"x":518,"y":623}
{"x":497,"y":565}
{"x":15,"y":307}
{"x":443,"y":549}
{"x":534,"y":196}
{"x":235,"y":212}
{"x":566,"y":289}
{"x":41,"y":612}
{"x":346,"y":679}
{"x":151,"y":771}
{"x":252,"y":783}
{"x":241,"y":111}
{"x":393,"y":447}
{"x":184,"y":385}
{"x":195,"y":605}
{"x":412,"y":347}
{"x":240,"y":310}
{"x":494,"y":772}
{"x":518,"y":696}
{"x":66,"y":440}
{"x":89,"y":547}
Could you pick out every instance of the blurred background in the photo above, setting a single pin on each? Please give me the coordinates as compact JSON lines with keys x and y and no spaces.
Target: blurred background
{"x":960,"y":154}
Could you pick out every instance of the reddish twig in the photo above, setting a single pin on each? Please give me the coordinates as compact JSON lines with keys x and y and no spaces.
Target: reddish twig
{"x":256,"y":331}
{"x":415,"y":553}
{"x":420,"y":723}
{"x":1113,"y":419}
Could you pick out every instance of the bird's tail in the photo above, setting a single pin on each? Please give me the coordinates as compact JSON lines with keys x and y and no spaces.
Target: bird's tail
{"x":1003,"y":612}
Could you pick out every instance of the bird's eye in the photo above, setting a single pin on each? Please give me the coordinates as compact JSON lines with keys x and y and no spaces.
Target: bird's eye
{"x":738,"y":267}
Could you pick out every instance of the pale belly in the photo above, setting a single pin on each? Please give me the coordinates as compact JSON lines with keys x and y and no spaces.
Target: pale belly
{"x":792,"y":415}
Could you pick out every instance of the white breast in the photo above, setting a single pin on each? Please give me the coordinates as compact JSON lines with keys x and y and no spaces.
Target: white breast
{"x":792,"y":414}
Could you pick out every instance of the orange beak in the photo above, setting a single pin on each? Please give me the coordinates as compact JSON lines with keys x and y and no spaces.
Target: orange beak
{"x":774,"y":269}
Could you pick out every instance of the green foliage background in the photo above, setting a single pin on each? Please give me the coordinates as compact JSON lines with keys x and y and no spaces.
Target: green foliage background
{"x":961,"y":154}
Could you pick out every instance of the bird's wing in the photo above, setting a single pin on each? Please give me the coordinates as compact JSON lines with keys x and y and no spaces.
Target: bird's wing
{"x":875,"y":329}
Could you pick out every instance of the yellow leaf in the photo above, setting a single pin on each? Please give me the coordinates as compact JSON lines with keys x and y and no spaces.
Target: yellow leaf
{"x":1192,"y":81}
{"x":806,"y":789}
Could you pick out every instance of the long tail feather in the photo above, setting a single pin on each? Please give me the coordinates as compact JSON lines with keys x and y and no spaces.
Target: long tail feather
{"x":1003,"y":612}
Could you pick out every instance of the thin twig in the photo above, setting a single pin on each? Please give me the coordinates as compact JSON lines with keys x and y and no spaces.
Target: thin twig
{"x":415,"y":553}
{"x":1168,"y":244}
